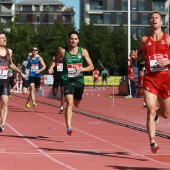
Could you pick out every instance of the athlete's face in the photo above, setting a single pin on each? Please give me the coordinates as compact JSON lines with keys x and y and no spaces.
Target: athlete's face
{"x":73,"y":40}
{"x":155,"y":20}
{"x":2,"y":40}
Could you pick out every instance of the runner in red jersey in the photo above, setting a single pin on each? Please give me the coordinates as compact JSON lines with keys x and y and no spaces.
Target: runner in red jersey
{"x":96,"y":74}
{"x":156,"y":50}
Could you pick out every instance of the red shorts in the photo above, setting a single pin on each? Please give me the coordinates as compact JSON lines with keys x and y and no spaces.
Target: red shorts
{"x":95,"y":79}
{"x":158,"y":83}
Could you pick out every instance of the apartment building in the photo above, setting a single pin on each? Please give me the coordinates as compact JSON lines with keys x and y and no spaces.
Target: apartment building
{"x":113,"y":13}
{"x":44,"y":12}
{"x":7,"y":10}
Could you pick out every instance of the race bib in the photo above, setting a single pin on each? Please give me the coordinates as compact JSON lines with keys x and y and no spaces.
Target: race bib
{"x":59,"y":67}
{"x":34,"y":67}
{"x":72,"y":71}
{"x":153,"y":60}
{"x":3,"y":72}
{"x":96,"y":75}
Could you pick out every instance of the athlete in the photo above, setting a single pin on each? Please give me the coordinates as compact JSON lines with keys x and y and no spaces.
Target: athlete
{"x":26,"y":80}
{"x":57,"y":74}
{"x":96,"y":74}
{"x":74,"y":58}
{"x":5,"y":64}
{"x":35,"y":67}
{"x":104,"y":75}
{"x":155,"y":47}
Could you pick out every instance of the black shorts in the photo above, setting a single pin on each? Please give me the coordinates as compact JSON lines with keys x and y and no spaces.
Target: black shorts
{"x":4,"y":89}
{"x":25,"y":83}
{"x":11,"y":82}
{"x":104,"y":78}
{"x":57,"y":82}
{"x":35,"y":80}
{"x":76,"y":91}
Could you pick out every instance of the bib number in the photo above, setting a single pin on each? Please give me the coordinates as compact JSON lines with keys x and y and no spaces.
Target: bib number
{"x":3,"y":72}
{"x":153,"y":60}
{"x":72,"y":71}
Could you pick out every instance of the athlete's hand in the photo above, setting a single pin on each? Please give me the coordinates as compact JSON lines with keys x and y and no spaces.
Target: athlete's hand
{"x":162,"y":63}
{"x":79,"y":69}
{"x":134,"y":54}
{"x":23,"y":75}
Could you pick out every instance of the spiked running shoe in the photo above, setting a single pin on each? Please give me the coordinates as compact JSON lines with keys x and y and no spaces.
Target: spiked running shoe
{"x":34,"y":104}
{"x":69,"y":131}
{"x":2,"y":128}
{"x":154,"y":148}
{"x":28,"y":105}
{"x":61,"y":111}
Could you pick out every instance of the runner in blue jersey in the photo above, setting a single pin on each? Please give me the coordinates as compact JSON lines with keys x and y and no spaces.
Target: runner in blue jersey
{"x":36,"y":65}
{"x":26,"y":80}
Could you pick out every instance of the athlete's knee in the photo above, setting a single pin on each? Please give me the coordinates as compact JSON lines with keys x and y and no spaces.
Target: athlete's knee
{"x":165,"y":114}
{"x":151,"y":112}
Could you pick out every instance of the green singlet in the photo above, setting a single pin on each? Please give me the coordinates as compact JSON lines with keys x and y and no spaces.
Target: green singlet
{"x":70,"y":62}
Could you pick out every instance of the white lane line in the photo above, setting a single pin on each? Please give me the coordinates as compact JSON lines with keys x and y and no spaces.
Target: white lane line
{"x":40,"y":150}
{"x":98,"y":138}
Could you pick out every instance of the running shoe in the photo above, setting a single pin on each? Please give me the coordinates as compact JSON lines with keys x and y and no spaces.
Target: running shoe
{"x":2,"y":128}
{"x":156,"y":119}
{"x":61,"y":111}
{"x":28,"y":105}
{"x":154,"y":147}
{"x":9,"y":96}
{"x":34,"y":104}
{"x":69,"y":131}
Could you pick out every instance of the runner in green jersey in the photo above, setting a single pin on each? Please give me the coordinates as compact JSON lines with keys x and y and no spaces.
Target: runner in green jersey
{"x":74,"y":58}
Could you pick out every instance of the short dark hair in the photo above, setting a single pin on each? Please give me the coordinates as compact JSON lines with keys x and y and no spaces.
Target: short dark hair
{"x":155,"y":12}
{"x":2,"y":32}
{"x":73,"y":32}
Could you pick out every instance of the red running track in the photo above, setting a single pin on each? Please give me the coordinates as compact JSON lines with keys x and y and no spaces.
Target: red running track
{"x":36,"y":138}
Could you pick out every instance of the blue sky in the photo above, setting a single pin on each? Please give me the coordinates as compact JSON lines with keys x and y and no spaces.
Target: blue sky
{"x":71,"y":3}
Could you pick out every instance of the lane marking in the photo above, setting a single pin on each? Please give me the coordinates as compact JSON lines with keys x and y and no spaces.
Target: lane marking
{"x":93,"y":136}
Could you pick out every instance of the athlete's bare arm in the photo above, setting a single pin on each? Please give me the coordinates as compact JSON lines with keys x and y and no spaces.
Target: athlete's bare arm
{"x":42,"y":64}
{"x":13,"y":66}
{"x":86,"y":56}
{"x":137,"y":54}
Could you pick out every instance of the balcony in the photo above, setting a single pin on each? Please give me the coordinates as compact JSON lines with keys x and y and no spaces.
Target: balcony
{"x":7,"y":1}
{"x":5,"y":13}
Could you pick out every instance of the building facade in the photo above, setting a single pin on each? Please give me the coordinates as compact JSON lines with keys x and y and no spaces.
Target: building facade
{"x":113,"y":13}
{"x":44,"y":12}
{"x":7,"y":10}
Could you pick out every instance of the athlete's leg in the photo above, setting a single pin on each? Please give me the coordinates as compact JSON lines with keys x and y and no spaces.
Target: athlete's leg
{"x":68,"y":111}
{"x":150,"y":100}
{"x":4,"y":108}
{"x":164,"y":107}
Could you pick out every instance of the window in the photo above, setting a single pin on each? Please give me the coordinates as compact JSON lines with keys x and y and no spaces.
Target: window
{"x":110,"y":4}
{"x":141,"y":31}
{"x":141,"y":5}
{"x":134,"y":5}
{"x":96,"y":6}
{"x":97,"y":19}
{"x":124,"y":5}
{"x":26,"y":8}
{"x":42,"y":19}
{"x":158,"y":5}
{"x":134,"y":31}
{"x":144,"y":19}
{"x":107,"y":18}
{"x":119,"y":18}
{"x":37,"y":18}
{"x":134,"y":18}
